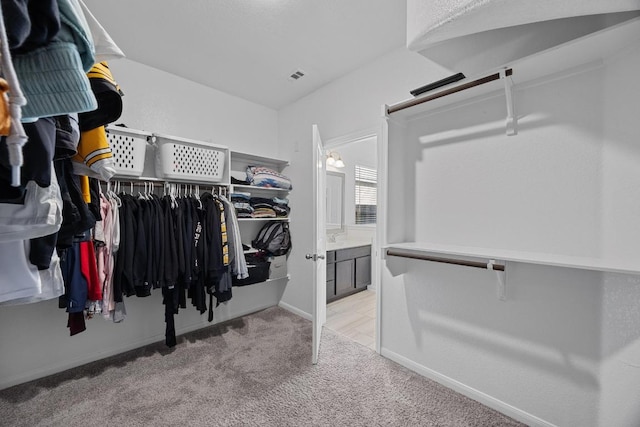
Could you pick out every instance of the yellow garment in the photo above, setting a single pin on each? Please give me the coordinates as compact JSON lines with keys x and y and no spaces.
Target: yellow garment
{"x":5,"y":117}
{"x":84,"y":185}
{"x":223,"y":232}
{"x":95,"y":152}
{"x":101,"y":71}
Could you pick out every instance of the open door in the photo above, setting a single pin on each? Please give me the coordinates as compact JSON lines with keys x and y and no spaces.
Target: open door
{"x":319,"y":250}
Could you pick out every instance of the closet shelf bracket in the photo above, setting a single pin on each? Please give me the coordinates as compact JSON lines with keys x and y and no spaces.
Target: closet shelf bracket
{"x":512,"y":121}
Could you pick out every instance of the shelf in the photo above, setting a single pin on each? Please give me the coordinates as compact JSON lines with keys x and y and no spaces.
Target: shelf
{"x":238,"y":165}
{"x":258,"y":160}
{"x":276,"y":279}
{"x":196,"y":142}
{"x":570,"y":57}
{"x":264,"y":219}
{"x":255,"y":187}
{"x":287,"y":277}
{"x":138,"y":180}
{"x":583,"y":263}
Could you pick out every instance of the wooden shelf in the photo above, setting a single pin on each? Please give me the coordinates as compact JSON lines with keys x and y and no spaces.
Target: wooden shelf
{"x":556,"y":260}
{"x":569,"y":57}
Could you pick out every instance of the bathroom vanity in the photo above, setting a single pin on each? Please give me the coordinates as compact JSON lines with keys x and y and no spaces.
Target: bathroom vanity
{"x":348,"y":268}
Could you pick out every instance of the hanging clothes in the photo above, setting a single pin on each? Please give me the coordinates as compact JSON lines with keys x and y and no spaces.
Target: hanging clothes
{"x":51,"y":283}
{"x":105,"y":48}
{"x":16,"y":137}
{"x":184,"y":245}
{"x":52,"y":71}
{"x":217,"y":277}
{"x":20,"y":279}
{"x":198,"y":234}
{"x":31,"y":224}
{"x":47,"y":48}
{"x":107,"y":239}
{"x":236,"y":253}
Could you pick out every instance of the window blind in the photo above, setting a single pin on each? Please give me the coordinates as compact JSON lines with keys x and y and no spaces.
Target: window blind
{"x":366,"y":180}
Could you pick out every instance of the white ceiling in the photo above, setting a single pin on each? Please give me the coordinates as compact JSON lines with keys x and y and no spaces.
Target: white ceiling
{"x":248,"y":48}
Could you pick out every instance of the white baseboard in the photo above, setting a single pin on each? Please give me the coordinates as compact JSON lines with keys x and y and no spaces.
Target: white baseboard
{"x":295,"y":310}
{"x":113,"y":350}
{"x":461,"y":388}
{"x":194,"y":327}
{"x":35,"y":374}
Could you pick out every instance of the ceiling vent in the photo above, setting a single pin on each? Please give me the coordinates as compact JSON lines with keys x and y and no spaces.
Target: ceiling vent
{"x":296,"y":75}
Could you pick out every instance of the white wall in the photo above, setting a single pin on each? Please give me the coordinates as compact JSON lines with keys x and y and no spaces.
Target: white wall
{"x":564,"y":348}
{"x":349,"y":104}
{"x":620,"y":166}
{"x":538,"y":191}
{"x":620,"y":372}
{"x":163,"y":103}
{"x":35,"y":340}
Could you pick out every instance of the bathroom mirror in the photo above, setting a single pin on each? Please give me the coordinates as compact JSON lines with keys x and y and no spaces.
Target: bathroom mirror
{"x":335,"y":202}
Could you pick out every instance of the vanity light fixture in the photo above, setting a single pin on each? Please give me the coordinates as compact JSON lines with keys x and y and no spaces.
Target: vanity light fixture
{"x":334,"y":159}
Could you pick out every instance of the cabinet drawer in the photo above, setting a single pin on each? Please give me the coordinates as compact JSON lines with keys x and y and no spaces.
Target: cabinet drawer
{"x":331,"y":257}
{"x":351,"y":253}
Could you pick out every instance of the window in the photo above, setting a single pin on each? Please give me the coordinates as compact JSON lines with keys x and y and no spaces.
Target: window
{"x":366,"y":195}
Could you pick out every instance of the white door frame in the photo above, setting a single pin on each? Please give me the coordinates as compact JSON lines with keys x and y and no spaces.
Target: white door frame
{"x":319,"y":314}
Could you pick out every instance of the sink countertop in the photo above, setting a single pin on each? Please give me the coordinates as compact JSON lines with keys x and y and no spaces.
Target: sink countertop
{"x":344,"y":244}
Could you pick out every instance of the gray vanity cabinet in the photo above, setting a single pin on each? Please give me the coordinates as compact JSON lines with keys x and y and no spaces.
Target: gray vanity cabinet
{"x":344,"y":276}
{"x":348,"y":271}
{"x":331,"y":283}
{"x":363,"y":271}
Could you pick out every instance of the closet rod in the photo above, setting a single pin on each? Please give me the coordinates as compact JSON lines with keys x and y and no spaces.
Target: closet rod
{"x":455,"y":89}
{"x":476,"y":264}
{"x":142,"y":180}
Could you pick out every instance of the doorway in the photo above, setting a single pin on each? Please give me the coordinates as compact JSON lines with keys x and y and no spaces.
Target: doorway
{"x":351,"y":228}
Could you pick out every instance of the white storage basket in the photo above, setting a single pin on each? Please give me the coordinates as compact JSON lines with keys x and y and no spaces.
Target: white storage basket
{"x":184,"y":159}
{"x":129,"y":147}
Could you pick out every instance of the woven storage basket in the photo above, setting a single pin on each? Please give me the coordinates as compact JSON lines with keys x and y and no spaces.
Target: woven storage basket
{"x":129,"y":147}
{"x":184,"y":159}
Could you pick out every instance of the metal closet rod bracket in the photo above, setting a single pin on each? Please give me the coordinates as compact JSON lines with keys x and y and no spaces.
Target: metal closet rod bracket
{"x":504,"y":74}
{"x":501,"y":275}
{"x":512,"y":120}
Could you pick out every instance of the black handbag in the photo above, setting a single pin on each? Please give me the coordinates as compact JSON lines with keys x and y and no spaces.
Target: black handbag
{"x":258,"y":268}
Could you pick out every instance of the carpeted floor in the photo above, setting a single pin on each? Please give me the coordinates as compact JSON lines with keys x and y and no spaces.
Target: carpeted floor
{"x":252,"y":371}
